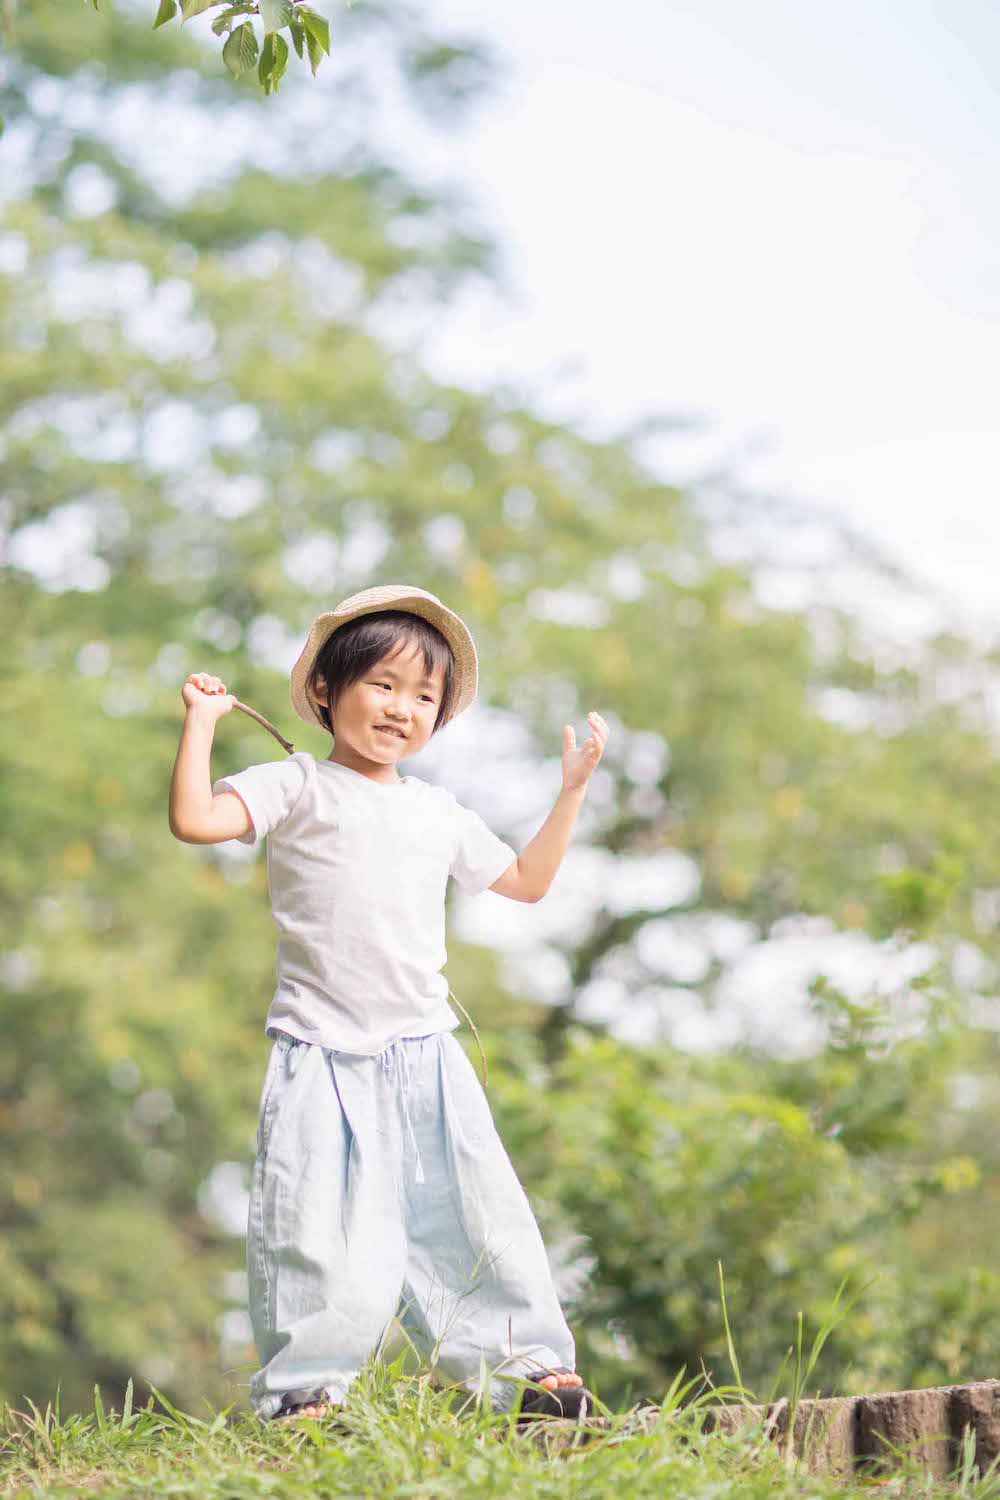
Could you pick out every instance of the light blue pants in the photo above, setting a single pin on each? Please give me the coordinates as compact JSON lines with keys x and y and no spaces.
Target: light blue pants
{"x":381,"y":1188}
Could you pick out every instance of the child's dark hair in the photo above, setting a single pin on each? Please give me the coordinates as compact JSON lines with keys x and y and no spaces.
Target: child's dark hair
{"x":354,"y":648}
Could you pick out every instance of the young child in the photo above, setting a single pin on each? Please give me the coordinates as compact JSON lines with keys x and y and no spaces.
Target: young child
{"x":381,"y":1187}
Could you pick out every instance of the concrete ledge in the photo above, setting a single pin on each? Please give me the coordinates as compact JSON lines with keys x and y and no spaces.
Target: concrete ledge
{"x":839,"y":1435}
{"x":823,"y":1436}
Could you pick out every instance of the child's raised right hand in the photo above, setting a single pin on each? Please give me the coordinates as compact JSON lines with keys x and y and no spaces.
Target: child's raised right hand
{"x":205,"y":694}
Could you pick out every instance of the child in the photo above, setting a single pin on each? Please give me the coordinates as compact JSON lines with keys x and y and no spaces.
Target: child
{"x":380,"y":1185}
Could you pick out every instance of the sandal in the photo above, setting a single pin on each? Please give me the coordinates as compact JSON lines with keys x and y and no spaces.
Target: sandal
{"x":293,"y":1403}
{"x":564,"y":1401}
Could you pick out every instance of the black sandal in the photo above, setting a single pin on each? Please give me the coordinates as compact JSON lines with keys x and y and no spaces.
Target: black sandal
{"x":295,"y":1402}
{"x":564,"y":1401}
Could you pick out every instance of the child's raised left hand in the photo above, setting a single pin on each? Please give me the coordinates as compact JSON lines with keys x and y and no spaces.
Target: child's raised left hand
{"x":578,"y":764}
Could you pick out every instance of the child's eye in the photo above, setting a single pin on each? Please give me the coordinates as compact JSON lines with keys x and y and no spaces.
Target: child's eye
{"x":423,"y":695}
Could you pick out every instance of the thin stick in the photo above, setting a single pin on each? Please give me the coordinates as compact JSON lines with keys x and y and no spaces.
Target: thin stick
{"x":285,"y":744}
{"x":472,"y":1023}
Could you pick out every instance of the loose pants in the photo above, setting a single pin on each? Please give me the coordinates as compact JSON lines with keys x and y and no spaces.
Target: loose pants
{"x":381,"y":1188}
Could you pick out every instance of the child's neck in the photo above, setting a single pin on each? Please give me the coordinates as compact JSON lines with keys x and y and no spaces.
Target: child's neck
{"x":388,"y":775}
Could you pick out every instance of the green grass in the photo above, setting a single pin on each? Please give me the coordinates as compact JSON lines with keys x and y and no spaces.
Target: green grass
{"x":400,"y":1434}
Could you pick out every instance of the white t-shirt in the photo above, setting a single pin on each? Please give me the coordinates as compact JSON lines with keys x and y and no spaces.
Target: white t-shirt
{"x":356,"y":871}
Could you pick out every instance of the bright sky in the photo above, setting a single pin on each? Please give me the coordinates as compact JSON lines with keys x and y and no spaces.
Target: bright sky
{"x":781,"y":217}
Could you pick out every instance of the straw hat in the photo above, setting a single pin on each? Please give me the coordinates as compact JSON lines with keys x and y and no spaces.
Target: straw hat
{"x":387,"y":596}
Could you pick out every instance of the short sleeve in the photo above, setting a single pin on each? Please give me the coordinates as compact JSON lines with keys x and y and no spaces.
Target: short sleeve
{"x":479,"y":857}
{"x":269,"y":792}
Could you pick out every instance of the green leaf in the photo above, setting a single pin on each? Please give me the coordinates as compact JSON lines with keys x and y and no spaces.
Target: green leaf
{"x":273,"y":60}
{"x":317,"y":35}
{"x":223,"y":22}
{"x":298,"y":31}
{"x":317,"y":26}
{"x":240,"y":52}
{"x":191,"y":8}
{"x":275,"y":14}
{"x":315,"y":52}
{"x":167,"y":10}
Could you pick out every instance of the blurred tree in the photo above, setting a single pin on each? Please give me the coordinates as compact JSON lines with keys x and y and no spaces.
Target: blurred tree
{"x":209,"y":426}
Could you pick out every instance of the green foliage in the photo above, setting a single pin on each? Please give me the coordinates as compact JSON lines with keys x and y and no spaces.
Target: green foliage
{"x":275,"y":17}
{"x":916,"y":901}
{"x":273,"y":60}
{"x":240,"y":50}
{"x":239,"y":53}
{"x":670,"y":1166}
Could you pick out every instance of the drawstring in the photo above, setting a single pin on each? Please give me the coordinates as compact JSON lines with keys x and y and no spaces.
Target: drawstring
{"x":385,"y":1062}
{"x":472,"y":1023}
{"x":400,"y":1052}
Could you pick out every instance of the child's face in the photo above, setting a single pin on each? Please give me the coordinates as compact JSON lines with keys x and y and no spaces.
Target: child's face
{"x":395,"y":691}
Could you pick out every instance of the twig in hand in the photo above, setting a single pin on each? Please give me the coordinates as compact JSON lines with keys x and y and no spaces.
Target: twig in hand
{"x":285,"y":744}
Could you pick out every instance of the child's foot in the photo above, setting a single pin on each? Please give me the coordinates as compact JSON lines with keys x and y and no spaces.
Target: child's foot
{"x":562,"y":1394}
{"x":551,"y":1381}
{"x":315,"y":1404}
